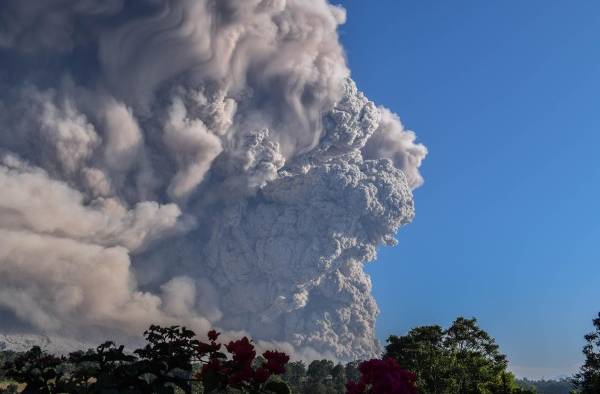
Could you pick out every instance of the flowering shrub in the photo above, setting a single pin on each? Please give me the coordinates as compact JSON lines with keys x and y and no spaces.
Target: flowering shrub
{"x":383,"y":377}
{"x":239,"y":372}
{"x":171,"y":360}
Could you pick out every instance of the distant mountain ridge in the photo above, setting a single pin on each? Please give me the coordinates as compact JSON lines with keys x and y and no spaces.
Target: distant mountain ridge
{"x":50,"y":344}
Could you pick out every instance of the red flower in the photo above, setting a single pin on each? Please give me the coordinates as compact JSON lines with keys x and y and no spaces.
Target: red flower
{"x":383,"y":377}
{"x":276,"y":361}
{"x":261,"y":375}
{"x":241,"y":376}
{"x":213,"y":335}
{"x":204,"y":347}
{"x":242,"y":351}
{"x":355,"y":387}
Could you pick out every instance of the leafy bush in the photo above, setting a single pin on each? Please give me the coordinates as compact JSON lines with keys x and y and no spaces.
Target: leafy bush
{"x":171,"y":361}
{"x":383,"y":376}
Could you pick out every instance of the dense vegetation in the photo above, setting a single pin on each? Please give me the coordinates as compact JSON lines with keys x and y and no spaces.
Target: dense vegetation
{"x":559,"y":386}
{"x":174,"y":361}
{"x":461,"y":359}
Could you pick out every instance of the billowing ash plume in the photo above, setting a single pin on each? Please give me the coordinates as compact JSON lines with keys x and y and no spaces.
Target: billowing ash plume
{"x":193,"y":161}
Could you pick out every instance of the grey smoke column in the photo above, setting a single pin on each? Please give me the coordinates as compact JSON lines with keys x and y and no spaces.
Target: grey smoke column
{"x":200,"y":162}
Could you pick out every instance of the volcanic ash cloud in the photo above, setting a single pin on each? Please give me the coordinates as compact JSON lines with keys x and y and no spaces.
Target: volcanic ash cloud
{"x":207,"y":163}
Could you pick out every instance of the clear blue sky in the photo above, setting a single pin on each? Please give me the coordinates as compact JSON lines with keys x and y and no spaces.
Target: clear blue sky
{"x":505,"y":94}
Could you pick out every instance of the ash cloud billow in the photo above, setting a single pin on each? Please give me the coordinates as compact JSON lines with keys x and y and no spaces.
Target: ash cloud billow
{"x":201,"y":162}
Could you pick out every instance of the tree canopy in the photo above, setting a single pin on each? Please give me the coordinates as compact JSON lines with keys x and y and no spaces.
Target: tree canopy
{"x":587,"y":380}
{"x":462,"y":359}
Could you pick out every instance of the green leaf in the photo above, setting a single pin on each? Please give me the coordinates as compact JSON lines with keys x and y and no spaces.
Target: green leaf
{"x":277,"y":388}
{"x":210,"y":381}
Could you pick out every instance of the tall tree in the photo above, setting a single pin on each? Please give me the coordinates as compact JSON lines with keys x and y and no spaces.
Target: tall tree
{"x":319,"y":377}
{"x":295,"y":376}
{"x":478,"y":362}
{"x":423,"y":351}
{"x":463,"y":359}
{"x":587,"y":380}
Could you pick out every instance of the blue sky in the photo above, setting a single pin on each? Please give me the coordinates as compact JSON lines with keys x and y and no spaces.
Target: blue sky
{"x":505,"y":95}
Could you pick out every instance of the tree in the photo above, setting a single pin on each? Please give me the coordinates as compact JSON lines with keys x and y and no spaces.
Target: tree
{"x":587,"y":380}
{"x":319,"y":377}
{"x":423,"y":351}
{"x":5,"y":357}
{"x":509,"y":385}
{"x":338,"y":378}
{"x":352,"y":371}
{"x":479,"y":365}
{"x":462,"y":359}
{"x":559,"y":386}
{"x":295,"y":376}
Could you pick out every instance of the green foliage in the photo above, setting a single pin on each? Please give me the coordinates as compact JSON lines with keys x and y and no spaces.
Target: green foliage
{"x":352,"y":372}
{"x":560,"y":386}
{"x":10,"y":388}
{"x":5,"y":356}
{"x":172,"y":361}
{"x":295,"y":376}
{"x":587,"y":380}
{"x":424,"y":352}
{"x":6,"y":386}
{"x":321,"y":377}
{"x":277,"y":387}
{"x":463,"y":359}
{"x":42,"y":372}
